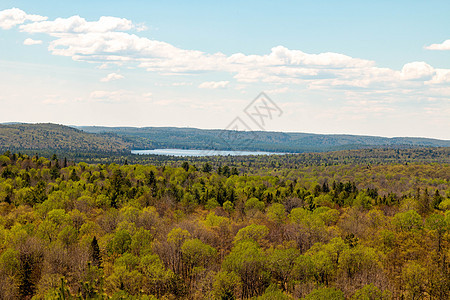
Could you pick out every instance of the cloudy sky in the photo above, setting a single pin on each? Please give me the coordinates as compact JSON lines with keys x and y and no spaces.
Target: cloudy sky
{"x":358,"y":67}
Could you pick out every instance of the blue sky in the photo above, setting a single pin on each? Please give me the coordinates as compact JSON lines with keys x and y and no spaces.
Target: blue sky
{"x":358,"y":67}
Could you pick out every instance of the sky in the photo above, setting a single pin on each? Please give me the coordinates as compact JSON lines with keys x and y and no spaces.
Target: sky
{"x":342,"y":67}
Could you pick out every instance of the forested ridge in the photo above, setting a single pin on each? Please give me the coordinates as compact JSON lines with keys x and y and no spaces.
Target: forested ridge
{"x":91,"y":141}
{"x":58,"y":138}
{"x":198,"y":229}
{"x":293,"y":142}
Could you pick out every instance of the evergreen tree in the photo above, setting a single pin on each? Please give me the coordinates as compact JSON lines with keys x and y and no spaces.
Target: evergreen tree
{"x":95,"y":253}
{"x":207,"y":168}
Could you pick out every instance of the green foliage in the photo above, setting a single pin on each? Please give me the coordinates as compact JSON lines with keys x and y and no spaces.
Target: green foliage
{"x":370,"y":292}
{"x":212,"y":220}
{"x":227,"y":285}
{"x":247,"y":260}
{"x":67,"y":236}
{"x":408,"y":221}
{"x":228,"y":206}
{"x":272,"y":292}
{"x":196,"y":253}
{"x":120,"y":243}
{"x":414,"y":278}
{"x":254,"y":204}
{"x":272,"y":228}
{"x":9,"y":262}
{"x":212,"y":203}
{"x":177,"y":236}
{"x":252,"y":232}
{"x":325,"y":293}
{"x":276,"y":213}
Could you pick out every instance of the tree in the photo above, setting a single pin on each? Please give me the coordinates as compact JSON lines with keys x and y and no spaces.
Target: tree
{"x":370,"y":292}
{"x":37,"y":194}
{"x":439,"y":225}
{"x":248,"y":261}
{"x":207,"y":168}
{"x":227,"y":286}
{"x":74,"y":176}
{"x":120,"y":243}
{"x":54,"y":171}
{"x":31,"y":259}
{"x":414,"y":277}
{"x":408,"y":221}
{"x":95,"y":253}
{"x":276,"y":213}
{"x":196,"y":256}
{"x":252,"y":232}
{"x":272,"y":292}
{"x":281,"y":264}
{"x":185,"y":166}
{"x":157,"y":278}
{"x":358,"y":266}
{"x":325,"y":293}
{"x":253,"y":204}
{"x":68,"y":236}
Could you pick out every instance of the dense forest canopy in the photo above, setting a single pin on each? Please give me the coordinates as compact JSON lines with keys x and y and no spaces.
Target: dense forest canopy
{"x":227,"y":228}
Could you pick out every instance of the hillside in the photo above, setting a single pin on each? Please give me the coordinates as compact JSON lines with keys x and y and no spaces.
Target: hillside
{"x":93,"y":139}
{"x":192,"y":138}
{"x":58,"y":138}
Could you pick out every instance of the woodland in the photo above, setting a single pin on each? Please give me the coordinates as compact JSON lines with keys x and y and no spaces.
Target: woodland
{"x":342,"y":225}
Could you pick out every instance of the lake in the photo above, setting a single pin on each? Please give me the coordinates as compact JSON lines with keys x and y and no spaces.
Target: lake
{"x":184,"y":152}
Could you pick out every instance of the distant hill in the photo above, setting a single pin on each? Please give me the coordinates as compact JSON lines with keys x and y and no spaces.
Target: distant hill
{"x":94,"y":139}
{"x":19,"y":137}
{"x":192,"y":138}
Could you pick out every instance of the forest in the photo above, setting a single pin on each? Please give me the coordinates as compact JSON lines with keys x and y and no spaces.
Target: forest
{"x":82,"y":142}
{"x":369,"y":224}
{"x":291,"y":142}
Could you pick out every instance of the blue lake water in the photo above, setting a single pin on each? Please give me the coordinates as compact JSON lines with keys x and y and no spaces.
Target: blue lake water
{"x":183,"y":152}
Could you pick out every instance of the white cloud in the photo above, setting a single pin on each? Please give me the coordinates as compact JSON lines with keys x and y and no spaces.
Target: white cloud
{"x":181,"y":83}
{"x":14,"y":16}
{"x":141,"y":27}
{"x":109,"y":96}
{"x":443,"y":46}
{"x":30,"y":42}
{"x":441,"y":76}
{"x":277,"y":91}
{"x":106,"y":42}
{"x":111,"y":77}
{"x":77,"y":24}
{"x":214,"y":84}
{"x":120,"y":96}
{"x":418,"y":70}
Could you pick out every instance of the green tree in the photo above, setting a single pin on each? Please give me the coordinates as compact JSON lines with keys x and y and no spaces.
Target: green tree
{"x":120,"y":243}
{"x":281,"y":264}
{"x":439,"y":225}
{"x":207,"y":168}
{"x":370,"y":292}
{"x":252,"y":232}
{"x":276,"y":213}
{"x":408,"y":221}
{"x":248,"y":261}
{"x":197,"y":254}
{"x":227,"y":286}
{"x":325,"y":293}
